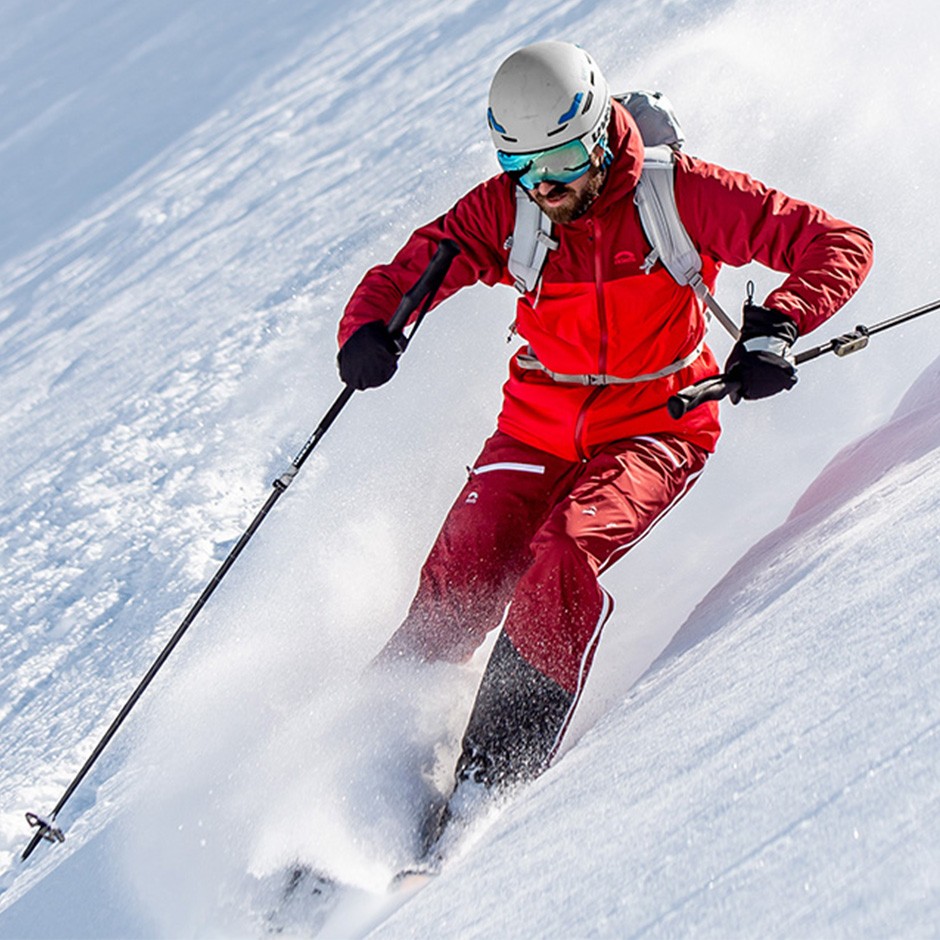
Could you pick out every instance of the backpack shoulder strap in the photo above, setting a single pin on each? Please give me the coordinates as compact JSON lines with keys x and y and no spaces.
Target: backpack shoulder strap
{"x":659,"y":216}
{"x":530,"y":243}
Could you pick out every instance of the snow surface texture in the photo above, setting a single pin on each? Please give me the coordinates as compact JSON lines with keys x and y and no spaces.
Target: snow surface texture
{"x":189,"y":191}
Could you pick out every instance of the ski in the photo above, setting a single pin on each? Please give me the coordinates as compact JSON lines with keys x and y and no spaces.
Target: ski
{"x":311,"y":903}
{"x":303,"y":898}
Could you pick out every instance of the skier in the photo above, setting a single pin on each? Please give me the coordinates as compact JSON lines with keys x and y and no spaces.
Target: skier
{"x":585,"y":457}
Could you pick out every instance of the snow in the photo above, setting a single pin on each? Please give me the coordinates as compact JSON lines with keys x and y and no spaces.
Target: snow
{"x":190,"y":190}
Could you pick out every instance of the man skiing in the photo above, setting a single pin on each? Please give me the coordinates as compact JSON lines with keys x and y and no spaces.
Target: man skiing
{"x":585,"y":457}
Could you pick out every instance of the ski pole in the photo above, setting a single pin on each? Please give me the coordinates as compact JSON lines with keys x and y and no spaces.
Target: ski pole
{"x":716,"y":387}
{"x":424,"y":291}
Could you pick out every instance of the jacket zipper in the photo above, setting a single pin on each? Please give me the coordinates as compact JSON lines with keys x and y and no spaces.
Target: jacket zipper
{"x":579,"y":443}
{"x":601,"y":305}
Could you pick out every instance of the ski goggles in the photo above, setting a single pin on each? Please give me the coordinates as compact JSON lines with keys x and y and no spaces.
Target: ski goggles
{"x":562,"y":164}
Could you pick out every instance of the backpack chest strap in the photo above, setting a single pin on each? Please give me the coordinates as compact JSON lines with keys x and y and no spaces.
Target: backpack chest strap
{"x":528,"y":360}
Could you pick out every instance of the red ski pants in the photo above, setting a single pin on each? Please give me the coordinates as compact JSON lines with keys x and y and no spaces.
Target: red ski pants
{"x":534,"y":531}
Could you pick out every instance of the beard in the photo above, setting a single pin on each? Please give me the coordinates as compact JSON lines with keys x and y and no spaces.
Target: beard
{"x":575,"y":202}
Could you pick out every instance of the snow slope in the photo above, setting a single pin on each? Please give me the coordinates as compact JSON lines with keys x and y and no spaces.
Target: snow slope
{"x":775,"y":774}
{"x":189,"y":191}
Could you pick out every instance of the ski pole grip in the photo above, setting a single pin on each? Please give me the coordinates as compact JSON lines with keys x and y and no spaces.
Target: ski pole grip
{"x":425,"y":286}
{"x":711,"y":389}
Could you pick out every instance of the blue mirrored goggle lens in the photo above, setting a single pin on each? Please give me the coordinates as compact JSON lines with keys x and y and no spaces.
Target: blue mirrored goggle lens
{"x":562,"y":164}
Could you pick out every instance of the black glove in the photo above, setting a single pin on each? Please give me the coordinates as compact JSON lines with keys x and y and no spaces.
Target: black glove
{"x":757,"y":362}
{"x":369,"y":357}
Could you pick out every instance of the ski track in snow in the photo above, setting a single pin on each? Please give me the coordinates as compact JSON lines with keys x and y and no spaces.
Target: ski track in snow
{"x":190,"y":192}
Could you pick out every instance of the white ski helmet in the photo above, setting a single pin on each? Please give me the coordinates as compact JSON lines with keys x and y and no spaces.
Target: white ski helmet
{"x":545,"y":95}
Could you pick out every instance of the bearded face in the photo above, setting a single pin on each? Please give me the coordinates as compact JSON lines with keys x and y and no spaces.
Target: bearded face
{"x":565,"y":202}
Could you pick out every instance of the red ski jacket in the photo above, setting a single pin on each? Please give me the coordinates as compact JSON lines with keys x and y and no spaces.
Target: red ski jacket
{"x":597,"y":311}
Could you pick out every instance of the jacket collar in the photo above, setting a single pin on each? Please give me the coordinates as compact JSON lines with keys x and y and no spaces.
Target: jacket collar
{"x":625,"y":143}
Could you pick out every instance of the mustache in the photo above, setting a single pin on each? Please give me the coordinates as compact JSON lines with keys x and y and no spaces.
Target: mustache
{"x":557,"y":189}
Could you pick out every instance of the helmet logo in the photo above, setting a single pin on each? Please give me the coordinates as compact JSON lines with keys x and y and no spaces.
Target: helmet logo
{"x":573,"y":110}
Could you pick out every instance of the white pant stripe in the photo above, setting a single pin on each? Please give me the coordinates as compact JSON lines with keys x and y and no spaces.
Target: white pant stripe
{"x":508,"y":465}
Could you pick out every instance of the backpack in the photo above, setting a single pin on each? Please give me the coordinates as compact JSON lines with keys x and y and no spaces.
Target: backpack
{"x":655,"y":197}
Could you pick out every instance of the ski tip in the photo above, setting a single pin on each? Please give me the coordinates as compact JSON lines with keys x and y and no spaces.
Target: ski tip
{"x":417,"y":876}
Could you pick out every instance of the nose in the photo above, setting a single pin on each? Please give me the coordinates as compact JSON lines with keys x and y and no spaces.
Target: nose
{"x":544,"y":188}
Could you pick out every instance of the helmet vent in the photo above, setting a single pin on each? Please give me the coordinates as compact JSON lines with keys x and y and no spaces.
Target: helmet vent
{"x":588,"y":102}
{"x":573,"y":110}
